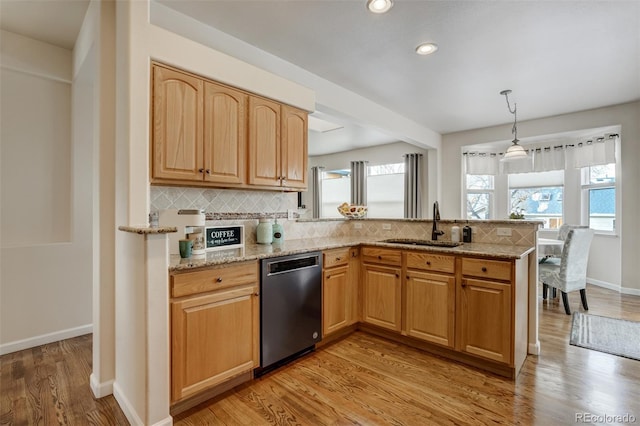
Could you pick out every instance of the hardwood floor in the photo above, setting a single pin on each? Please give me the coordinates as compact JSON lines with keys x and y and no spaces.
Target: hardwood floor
{"x":49,"y":385}
{"x":362,"y":379}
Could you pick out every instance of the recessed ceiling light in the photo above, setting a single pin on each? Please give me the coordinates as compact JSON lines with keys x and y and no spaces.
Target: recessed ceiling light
{"x":379,"y":6}
{"x":426,"y":48}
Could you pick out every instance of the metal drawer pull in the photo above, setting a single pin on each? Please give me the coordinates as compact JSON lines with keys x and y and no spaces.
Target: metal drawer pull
{"x":219,"y":280}
{"x":379,"y":257}
{"x":463,"y":283}
{"x":428,"y":263}
{"x":484,"y":269}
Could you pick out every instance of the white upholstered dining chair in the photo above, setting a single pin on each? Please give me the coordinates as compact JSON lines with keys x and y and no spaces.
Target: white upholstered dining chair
{"x":570,"y":273}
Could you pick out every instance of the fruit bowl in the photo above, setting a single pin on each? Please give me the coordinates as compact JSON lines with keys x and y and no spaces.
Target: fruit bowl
{"x":352,"y":211}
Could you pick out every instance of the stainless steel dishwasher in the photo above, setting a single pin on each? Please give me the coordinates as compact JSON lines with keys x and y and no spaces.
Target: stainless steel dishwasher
{"x":291,"y":307}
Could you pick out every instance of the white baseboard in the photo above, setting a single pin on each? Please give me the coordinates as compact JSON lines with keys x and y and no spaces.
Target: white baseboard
{"x":131,"y":414}
{"x":125,"y":405}
{"x":100,"y":389}
{"x":534,"y":348}
{"x":615,"y":287}
{"x":164,"y":422}
{"x":18,"y":345}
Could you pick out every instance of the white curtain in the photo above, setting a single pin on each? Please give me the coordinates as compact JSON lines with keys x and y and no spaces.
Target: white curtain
{"x":359,"y":183}
{"x":542,"y":158}
{"x":481,"y":163}
{"x":316,"y":190}
{"x":548,"y":158}
{"x":413,"y":177}
{"x":595,"y":152}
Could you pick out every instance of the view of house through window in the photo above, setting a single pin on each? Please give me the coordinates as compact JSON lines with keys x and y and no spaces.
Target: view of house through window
{"x":385,"y":191}
{"x":599,"y":194}
{"x":537,"y":196}
{"x":479,"y":196}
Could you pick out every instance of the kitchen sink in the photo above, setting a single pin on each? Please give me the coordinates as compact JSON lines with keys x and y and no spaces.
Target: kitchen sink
{"x":412,"y":242}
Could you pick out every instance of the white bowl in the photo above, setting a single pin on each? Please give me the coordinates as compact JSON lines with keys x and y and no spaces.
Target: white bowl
{"x":353,"y":211}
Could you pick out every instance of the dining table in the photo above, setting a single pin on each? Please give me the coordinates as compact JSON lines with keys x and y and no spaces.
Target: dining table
{"x":549,"y":247}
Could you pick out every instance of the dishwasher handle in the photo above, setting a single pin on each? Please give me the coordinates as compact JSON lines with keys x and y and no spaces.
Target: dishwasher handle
{"x":281,"y":266}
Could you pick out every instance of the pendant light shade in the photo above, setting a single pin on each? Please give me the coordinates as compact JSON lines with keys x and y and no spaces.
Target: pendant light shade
{"x":515,"y":151}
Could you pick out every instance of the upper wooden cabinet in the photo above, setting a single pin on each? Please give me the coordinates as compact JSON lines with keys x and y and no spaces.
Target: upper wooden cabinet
{"x":264,"y":142}
{"x":208,"y":134}
{"x":277,"y":144}
{"x":225,"y":138}
{"x":177,"y":125}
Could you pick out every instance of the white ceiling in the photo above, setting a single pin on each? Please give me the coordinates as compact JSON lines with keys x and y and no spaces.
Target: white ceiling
{"x":556,"y":56}
{"x":55,"y":22}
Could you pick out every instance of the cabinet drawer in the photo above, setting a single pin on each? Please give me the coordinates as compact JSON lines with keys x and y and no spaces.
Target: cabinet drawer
{"x":495,"y":269}
{"x":431,"y":262}
{"x":215,"y":278}
{"x":331,"y":258}
{"x":381,"y":255}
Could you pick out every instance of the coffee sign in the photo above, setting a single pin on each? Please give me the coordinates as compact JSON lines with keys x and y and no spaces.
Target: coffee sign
{"x":224,"y":236}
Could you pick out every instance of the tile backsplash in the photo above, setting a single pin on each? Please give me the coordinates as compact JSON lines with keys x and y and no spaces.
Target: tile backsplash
{"x":222,"y":200}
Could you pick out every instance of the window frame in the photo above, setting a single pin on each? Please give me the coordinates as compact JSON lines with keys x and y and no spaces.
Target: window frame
{"x":585,"y":188}
{"x":489,"y":191}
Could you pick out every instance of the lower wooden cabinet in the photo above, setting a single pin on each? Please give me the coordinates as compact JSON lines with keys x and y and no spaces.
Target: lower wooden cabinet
{"x":485,"y":319}
{"x":430,"y":307}
{"x":382,"y":296}
{"x":335,"y":299}
{"x":214,"y":334}
{"x":339,"y":289}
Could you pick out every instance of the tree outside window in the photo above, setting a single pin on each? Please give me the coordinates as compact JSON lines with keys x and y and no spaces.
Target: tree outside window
{"x":480,"y":190}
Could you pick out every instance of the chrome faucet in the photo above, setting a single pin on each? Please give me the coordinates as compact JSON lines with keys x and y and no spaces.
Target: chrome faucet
{"x":436,"y":217}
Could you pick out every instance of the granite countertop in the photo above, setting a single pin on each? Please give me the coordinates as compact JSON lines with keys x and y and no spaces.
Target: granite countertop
{"x":263,"y":251}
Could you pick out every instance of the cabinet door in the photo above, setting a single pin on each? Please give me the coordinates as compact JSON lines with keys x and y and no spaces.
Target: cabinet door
{"x":177,"y":125}
{"x":213,"y":338}
{"x":431,"y":307}
{"x":294,"y":147}
{"x":335,"y":299}
{"x":225,"y":140}
{"x":382,"y":296}
{"x":485,"y":319}
{"x":264,"y":142}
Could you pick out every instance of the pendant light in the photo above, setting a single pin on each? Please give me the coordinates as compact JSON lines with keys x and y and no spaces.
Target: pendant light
{"x":515,"y":151}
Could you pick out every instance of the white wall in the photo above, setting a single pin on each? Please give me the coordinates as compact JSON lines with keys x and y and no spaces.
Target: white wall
{"x":606,"y":251}
{"x":45,"y":286}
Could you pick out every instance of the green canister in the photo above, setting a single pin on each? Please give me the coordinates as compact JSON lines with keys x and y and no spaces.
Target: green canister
{"x":264,"y":231}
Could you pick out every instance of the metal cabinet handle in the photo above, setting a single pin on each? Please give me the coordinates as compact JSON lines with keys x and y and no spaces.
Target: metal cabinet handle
{"x":397,"y":275}
{"x":256,"y":294}
{"x":201,"y":170}
{"x":408,"y":277}
{"x":219,"y":279}
{"x":208,"y":171}
{"x":484,"y":269}
{"x":337,"y":258}
{"x":428,"y":263}
{"x":379,"y":257}
{"x":463,"y":283}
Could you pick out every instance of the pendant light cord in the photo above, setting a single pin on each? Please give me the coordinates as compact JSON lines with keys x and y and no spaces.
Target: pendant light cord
{"x":514,"y":129}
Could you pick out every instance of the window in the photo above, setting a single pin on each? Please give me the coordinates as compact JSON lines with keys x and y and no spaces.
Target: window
{"x":336,"y":189}
{"x":385,"y":191}
{"x":599,"y":196}
{"x":480,"y":190}
{"x":538,"y":196}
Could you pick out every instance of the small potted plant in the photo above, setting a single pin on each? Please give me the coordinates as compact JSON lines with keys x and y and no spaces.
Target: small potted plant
{"x":518,"y":213}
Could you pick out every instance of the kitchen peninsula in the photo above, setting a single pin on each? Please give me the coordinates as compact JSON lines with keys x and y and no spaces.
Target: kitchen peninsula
{"x":500,"y":264}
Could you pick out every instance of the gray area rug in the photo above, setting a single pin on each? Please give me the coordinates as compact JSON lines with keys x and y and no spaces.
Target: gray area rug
{"x":604,"y":334}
